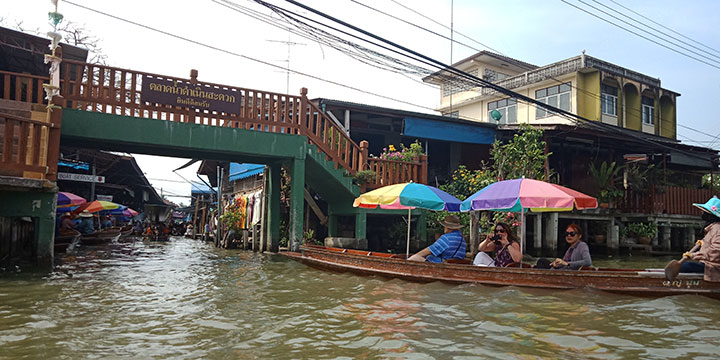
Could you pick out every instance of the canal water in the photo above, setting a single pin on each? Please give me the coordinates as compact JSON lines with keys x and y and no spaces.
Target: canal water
{"x":187,"y":299}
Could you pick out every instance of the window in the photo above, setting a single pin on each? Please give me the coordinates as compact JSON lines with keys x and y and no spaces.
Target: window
{"x":506,"y":107}
{"x":608,"y":100}
{"x":453,"y":86}
{"x":557,"y":96}
{"x":492,"y":75}
{"x":648,"y":110}
{"x":454,"y":114}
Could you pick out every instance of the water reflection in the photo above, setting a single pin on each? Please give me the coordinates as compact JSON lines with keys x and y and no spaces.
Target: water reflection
{"x":186,"y":299}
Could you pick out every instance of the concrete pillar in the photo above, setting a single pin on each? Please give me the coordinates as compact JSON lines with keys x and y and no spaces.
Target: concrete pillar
{"x":273,"y":208}
{"x":361,"y":224}
{"x":332,"y":223}
{"x":689,"y":237}
{"x":537,"y":234}
{"x":421,"y":230}
{"x":612,"y":237}
{"x":40,"y":207}
{"x":551,"y":234}
{"x":665,"y":233}
{"x":297,"y":204}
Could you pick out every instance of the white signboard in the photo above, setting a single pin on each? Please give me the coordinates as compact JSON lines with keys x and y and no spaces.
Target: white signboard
{"x":104,"y":197}
{"x":81,"y":177}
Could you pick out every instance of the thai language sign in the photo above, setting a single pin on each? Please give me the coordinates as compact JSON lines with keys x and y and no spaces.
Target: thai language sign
{"x":185,"y":94}
{"x":80,"y":177}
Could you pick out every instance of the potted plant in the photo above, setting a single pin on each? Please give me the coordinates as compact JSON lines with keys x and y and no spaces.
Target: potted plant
{"x":605,"y":177}
{"x":644,"y":232}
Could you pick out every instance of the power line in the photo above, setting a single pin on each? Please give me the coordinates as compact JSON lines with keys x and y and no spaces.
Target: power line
{"x":663,"y":26}
{"x":246,"y":57}
{"x":635,"y":33}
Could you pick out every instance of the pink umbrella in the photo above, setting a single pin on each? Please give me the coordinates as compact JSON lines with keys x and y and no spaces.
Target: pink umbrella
{"x":66,"y":199}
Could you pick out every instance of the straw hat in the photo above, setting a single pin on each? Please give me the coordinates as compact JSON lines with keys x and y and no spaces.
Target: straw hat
{"x":85,"y":214}
{"x":451,"y":222}
{"x":712,"y":206}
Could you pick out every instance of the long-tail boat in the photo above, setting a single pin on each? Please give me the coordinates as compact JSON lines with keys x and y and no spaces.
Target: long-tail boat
{"x":64,"y":239}
{"x":100,"y":237}
{"x":643,"y":282}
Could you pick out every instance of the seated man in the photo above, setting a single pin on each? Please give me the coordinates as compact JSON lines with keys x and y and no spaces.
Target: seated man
{"x":451,"y":245}
{"x":87,"y":225}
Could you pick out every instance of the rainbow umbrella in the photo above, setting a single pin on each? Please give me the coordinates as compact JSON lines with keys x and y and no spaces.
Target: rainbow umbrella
{"x":408,"y":196}
{"x":66,"y":199}
{"x":519,"y":195}
{"x":122,"y":212}
{"x":98,"y":205}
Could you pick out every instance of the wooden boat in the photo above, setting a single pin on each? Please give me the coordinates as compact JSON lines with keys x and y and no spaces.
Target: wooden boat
{"x":643,"y":282}
{"x":126,"y":231}
{"x":64,"y":239}
{"x":100,"y":237}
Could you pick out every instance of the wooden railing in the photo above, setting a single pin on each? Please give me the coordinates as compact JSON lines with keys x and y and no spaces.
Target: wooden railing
{"x":111,"y":90}
{"x":388,"y":172}
{"x":28,"y":146}
{"x":22,"y":87}
{"x":669,"y":200}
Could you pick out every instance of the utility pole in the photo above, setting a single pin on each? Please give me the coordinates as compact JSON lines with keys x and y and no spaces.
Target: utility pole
{"x":287,"y":61}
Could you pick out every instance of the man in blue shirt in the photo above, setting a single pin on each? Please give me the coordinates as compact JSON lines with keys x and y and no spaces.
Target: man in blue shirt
{"x":450,"y":245}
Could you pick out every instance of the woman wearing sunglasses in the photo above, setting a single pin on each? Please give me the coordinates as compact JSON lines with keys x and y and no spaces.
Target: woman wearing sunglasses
{"x":505,"y":244}
{"x":576,"y":256}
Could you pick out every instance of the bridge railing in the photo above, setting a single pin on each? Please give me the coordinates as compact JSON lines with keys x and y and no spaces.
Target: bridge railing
{"x":111,"y":90}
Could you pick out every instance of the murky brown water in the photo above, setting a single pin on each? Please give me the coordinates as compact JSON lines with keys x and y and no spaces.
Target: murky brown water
{"x":186,"y":299}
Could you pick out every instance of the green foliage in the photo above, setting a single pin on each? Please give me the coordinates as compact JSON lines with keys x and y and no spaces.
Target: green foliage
{"x":708,"y":185}
{"x":605,"y":177}
{"x":523,"y":156}
{"x":642,"y":229}
{"x":233,"y":218}
{"x":364,"y":177}
{"x":466,"y":182}
{"x":404,"y":154}
{"x":639,"y":179}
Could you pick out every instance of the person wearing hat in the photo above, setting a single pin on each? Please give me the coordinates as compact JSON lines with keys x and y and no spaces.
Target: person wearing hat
{"x":66,"y":224}
{"x":708,"y":257}
{"x":451,"y":245}
{"x":86,"y":223}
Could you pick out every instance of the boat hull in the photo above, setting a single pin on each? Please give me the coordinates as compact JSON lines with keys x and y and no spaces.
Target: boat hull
{"x":100,"y":237}
{"x":62,"y":242}
{"x":623,"y":281}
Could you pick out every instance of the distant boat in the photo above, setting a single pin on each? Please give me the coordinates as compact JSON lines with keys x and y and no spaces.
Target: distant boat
{"x":643,"y":282}
{"x":64,"y":239}
{"x":100,"y":237}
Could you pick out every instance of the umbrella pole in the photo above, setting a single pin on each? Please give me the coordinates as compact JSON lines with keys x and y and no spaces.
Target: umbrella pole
{"x":407,"y":248}
{"x":522,"y":233}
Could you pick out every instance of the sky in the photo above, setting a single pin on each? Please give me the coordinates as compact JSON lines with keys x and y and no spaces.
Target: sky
{"x":537,"y":32}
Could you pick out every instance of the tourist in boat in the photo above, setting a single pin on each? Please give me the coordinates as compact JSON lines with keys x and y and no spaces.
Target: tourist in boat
{"x":107,"y":222}
{"x":707,"y":259}
{"x":67,"y":224}
{"x":576,"y":256}
{"x":504,"y":243}
{"x":87,"y":225}
{"x":451,"y":245}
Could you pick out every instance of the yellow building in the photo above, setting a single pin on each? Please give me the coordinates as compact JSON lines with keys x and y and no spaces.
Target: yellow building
{"x":589,"y":87}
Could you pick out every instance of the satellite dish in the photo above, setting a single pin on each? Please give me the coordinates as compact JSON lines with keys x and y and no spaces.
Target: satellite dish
{"x":496,"y":115}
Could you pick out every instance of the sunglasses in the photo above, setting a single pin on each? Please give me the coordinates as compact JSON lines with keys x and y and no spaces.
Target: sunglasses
{"x":499,"y":231}
{"x":569,"y":233}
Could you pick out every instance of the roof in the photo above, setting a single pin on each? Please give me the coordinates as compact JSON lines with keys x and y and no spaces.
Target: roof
{"x":487,"y":54}
{"x":396,"y":112}
{"x":243,"y":171}
{"x":23,"y":52}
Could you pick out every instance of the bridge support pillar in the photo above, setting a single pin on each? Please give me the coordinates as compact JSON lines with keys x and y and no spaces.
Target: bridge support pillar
{"x":40,"y":207}
{"x":361,"y":224}
{"x":273,"y":208}
{"x":332,"y":222}
{"x":297,"y":204}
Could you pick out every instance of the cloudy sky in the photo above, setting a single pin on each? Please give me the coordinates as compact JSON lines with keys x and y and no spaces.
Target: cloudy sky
{"x":537,"y":32}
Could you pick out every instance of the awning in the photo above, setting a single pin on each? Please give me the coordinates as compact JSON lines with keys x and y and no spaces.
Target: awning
{"x":448,"y":131}
{"x":242,"y":171}
{"x":699,"y":160}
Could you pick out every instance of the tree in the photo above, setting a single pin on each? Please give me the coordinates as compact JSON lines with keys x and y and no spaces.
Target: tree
{"x":523,"y":156}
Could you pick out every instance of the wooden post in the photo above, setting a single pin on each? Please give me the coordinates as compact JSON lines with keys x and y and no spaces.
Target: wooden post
{"x":423,"y":169}
{"x":53,"y":145}
{"x":362,"y":162}
{"x":194,"y":223}
{"x":303,"y":110}
{"x":474,"y":233}
{"x":263,"y":213}
{"x":546,"y":150}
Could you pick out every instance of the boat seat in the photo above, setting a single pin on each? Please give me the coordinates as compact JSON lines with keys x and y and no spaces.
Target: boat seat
{"x":589,"y":268}
{"x":524,"y":265}
{"x":458,"y":261}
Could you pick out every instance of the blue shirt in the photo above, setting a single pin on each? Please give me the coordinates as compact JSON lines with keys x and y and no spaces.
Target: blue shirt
{"x":450,"y":245}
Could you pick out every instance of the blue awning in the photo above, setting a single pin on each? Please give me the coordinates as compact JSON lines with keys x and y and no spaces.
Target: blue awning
{"x":242,"y":171}
{"x":448,"y":131}
{"x":200,"y":188}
